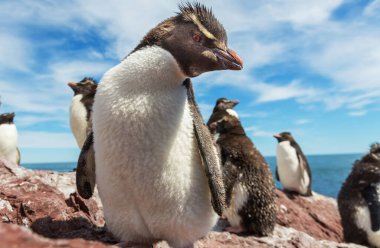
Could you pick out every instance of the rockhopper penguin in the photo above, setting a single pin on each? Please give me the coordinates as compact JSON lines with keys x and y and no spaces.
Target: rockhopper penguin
{"x":359,"y":201}
{"x":292,"y":169}
{"x":250,"y":191}
{"x":223,"y":106}
{"x":149,"y":169}
{"x":9,"y":138}
{"x":81,"y":108}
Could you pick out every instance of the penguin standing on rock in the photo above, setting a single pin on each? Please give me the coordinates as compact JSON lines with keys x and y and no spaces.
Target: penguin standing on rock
{"x":223,"y":106}
{"x":292,"y":169}
{"x":81,"y":108}
{"x":359,"y":201}
{"x":250,"y":191}
{"x":9,"y":139}
{"x":151,"y":146}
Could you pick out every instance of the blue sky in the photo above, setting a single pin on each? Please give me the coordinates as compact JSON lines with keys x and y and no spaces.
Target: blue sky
{"x":311,"y":67}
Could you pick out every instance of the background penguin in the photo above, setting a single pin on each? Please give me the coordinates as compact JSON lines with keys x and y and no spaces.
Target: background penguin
{"x":250,"y":190}
{"x":222,"y":105}
{"x":148,"y":166}
{"x":9,"y":138}
{"x":359,"y":201}
{"x":81,"y":108}
{"x":292,"y":169}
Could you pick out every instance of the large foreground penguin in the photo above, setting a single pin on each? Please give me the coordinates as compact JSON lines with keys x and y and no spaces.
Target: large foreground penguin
{"x":147,"y":133}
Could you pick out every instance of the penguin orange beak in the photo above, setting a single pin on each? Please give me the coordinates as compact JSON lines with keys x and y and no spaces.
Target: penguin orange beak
{"x":235,"y":102}
{"x":228,"y":59}
{"x":277,"y":136}
{"x":72,"y":85}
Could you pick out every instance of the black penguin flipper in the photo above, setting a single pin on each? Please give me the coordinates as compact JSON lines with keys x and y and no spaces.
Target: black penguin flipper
{"x":371,"y":197}
{"x":18,"y":156}
{"x":277,"y":176}
{"x":85,"y":177}
{"x":304,"y":166}
{"x":208,"y":152}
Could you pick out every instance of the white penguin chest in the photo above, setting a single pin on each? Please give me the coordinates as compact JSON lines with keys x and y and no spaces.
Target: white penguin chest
{"x":8,"y":142}
{"x":78,"y":119}
{"x":288,"y":168}
{"x":363,"y":221}
{"x":232,"y":113}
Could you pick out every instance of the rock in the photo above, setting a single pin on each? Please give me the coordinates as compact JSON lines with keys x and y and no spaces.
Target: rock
{"x":17,"y":236}
{"x":317,"y":215}
{"x":46,"y":203}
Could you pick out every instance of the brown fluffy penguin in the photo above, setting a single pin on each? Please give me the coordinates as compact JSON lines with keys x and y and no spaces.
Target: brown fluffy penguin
{"x":250,"y":190}
{"x":359,"y":200}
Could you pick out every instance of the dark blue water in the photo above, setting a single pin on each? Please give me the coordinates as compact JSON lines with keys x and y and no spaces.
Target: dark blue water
{"x":329,"y":171}
{"x":60,"y":167}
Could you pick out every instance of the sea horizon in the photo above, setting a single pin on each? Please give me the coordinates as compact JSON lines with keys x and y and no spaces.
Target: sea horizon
{"x":328,"y":170}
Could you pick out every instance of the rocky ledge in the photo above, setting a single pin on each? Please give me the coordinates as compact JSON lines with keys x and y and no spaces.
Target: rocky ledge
{"x":42,"y":209}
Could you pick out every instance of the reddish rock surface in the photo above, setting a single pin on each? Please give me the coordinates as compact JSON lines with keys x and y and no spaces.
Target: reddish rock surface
{"x":46,"y":203}
{"x":317,"y":215}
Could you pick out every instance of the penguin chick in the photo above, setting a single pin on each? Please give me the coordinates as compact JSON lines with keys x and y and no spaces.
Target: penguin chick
{"x":222,"y":106}
{"x":359,"y":201}
{"x":81,"y":108}
{"x":292,"y":169}
{"x":9,"y":139}
{"x":149,"y":168}
{"x":250,"y":190}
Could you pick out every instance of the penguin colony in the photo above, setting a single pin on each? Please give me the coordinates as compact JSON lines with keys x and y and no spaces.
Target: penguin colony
{"x":359,"y":200}
{"x":250,"y":191}
{"x":147,"y":147}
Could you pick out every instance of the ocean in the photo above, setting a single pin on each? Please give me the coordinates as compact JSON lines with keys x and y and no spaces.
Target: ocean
{"x":328,"y":171}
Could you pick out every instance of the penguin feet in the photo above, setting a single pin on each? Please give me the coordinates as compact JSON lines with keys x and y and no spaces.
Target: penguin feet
{"x":234,"y":229}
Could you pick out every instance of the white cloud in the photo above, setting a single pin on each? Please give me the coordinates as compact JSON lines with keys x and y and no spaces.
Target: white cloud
{"x":357,"y":113}
{"x":302,"y":121}
{"x":258,"y":132}
{"x":46,"y":140}
{"x":269,"y":93}
{"x":206,"y":110}
{"x":15,"y":53}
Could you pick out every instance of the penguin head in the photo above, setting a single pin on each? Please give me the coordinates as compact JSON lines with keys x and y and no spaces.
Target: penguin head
{"x":226,"y":124}
{"x":224,"y":103}
{"x":196,"y":39}
{"x":284,"y":136}
{"x":374,"y":152}
{"x":86,"y":86}
{"x":7,"y":118}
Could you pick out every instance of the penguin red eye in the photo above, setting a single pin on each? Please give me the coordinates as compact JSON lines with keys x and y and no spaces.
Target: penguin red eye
{"x":196,"y":38}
